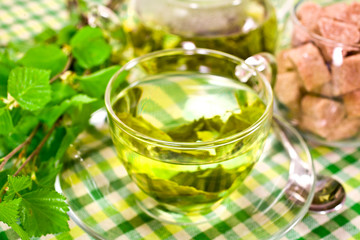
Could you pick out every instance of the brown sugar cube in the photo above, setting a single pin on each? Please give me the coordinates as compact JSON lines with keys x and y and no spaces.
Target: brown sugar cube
{"x":308,"y":14}
{"x":353,"y":13}
{"x":352,"y":103}
{"x":321,"y":116}
{"x":283,"y":62}
{"x":287,"y":90}
{"x":310,"y":66}
{"x":325,"y":90}
{"x":336,"y":11}
{"x":348,"y":128}
{"x":346,"y":77}
{"x":316,"y":126}
{"x":299,"y":36}
{"x":329,"y":111}
{"x":338,"y":31}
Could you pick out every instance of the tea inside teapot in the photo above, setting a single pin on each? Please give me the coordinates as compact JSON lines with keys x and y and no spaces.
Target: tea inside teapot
{"x":239,"y":27}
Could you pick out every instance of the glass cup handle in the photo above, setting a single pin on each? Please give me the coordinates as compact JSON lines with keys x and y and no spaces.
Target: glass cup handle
{"x":265,"y":63}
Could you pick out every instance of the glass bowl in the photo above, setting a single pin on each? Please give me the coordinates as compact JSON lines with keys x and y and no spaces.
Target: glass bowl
{"x":318,"y":83}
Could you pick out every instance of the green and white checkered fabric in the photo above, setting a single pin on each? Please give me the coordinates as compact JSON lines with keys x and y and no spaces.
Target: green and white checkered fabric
{"x":114,"y":213}
{"x":22,"y":19}
{"x":105,"y":200}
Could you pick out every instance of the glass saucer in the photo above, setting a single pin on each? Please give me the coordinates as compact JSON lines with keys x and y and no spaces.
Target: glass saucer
{"x":102,"y":197}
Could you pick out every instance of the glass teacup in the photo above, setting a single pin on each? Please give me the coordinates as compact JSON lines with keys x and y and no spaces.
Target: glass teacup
{"x":189,"y":128}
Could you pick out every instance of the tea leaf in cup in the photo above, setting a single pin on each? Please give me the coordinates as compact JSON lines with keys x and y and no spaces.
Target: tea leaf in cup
{"x":205,"y":129}
{"x":186,"y":188}
{"x":142,"y":126}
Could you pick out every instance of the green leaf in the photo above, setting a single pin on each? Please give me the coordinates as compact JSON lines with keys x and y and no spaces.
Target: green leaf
{"x":51,"y":114}
{"x":51,"y":146}
{"x":85,"y":34}
{"x":48,"y":35}
{"x":30,"y":87}
{"x":17,"y":184}
{"x":4,"y":177}
{"x":80,"y":113}
{"x":78,"y":124}
{"x":5,"y":67}
{"x":95,"y":84}
{"x":61,"y":91}
{"x":70,"y":136}
{"x":80,"y":107}
{"x":23,"y":126}
{"x":44,"y":212}
{"x":6,"y":124}
{"x":47,"y":173}
{"x":16,"y":49}
{"x":9,"y":213}
{"x":25,"y":122}
{"x":89,"y":47}
{"x":3,"y":81}
{"x":65,"y":34}
{"x":49,"y":57}
{"x":3,"y":149}
{"x":16,"y":114}
{"x":81,"y":99}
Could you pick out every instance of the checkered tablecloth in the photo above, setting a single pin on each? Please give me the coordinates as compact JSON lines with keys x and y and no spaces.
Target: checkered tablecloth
{"x":22,"y":19}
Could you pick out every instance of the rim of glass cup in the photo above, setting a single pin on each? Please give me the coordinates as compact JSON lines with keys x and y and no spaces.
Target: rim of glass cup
{"x":313,"y":34}
{"x":188,"y":145}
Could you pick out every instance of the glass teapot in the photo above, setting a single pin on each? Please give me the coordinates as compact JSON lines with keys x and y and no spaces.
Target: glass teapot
{"x":239,"y":27}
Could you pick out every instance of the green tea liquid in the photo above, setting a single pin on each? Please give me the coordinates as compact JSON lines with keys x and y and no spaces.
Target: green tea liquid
{"x":191,"y":108}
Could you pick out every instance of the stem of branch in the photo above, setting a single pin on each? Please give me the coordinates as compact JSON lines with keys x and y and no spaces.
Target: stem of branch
{"x":2,"y":191}
{"x":67,"y":66}
{"x":18,"y":148}
{"x":114,"y":4}
{"x":37,"y":150}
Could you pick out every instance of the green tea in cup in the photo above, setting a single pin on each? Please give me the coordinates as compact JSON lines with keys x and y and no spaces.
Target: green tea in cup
{"x":189,"y":128}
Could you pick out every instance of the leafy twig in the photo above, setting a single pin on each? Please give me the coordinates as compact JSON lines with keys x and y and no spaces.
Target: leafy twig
{"x":18,"y":148}
{"x":76,"y":13}
{"x":37,"y":150}
{"x":67,"y":66}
